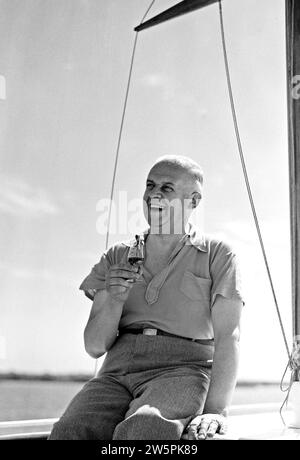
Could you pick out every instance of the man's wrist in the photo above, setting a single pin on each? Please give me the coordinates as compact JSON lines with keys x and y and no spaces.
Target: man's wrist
{"x":207,"y":410}
{"x":113,"y":301}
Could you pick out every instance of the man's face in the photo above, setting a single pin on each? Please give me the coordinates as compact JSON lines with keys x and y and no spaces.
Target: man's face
{"x":167,"y":198}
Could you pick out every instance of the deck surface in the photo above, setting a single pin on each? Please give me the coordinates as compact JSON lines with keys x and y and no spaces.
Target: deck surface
{"x":257,"y":425}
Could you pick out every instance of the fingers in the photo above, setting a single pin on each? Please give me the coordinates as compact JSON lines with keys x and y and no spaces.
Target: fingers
{"x":208,"y":429}
{"x":120,"y":279}
{"x":223,"y":428}
{"x":125,"y":268}
{"x":193,"y":432}
{"x":120,"y":282}
{"x":123,"y":274}
{"x":205,"y":427}
{"x":192,"y":428}
{"x":136,"y":267}
{"x":125,"y":271}
{"x":118,"y":287}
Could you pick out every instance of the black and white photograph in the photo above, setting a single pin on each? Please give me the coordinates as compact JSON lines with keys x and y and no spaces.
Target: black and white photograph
{"x":149,"y":222}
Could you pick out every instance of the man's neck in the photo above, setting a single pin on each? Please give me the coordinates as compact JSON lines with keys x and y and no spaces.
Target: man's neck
{"x":163,"y":241}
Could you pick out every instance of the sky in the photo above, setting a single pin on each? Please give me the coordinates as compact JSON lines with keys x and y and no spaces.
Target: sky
{"x":64,"y":67}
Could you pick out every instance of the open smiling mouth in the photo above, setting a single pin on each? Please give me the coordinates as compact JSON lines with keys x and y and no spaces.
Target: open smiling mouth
{"x":156,"y":207}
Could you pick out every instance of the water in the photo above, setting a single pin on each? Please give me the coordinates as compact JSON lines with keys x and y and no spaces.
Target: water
{"x":24,"y":399}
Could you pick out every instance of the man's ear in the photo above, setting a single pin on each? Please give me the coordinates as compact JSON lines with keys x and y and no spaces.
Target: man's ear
{"x":196,"y":198}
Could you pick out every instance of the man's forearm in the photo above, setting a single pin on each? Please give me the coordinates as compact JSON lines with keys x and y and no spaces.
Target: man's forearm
{"x":102,"y":327}
{"x":223,"y":377}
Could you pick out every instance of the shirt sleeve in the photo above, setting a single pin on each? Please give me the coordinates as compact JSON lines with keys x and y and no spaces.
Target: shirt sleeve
{"x":95,"y":281}
{"x":225,"y":274}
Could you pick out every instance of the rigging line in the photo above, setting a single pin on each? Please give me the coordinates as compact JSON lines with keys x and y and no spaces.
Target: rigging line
{"x":288,"y":390}
{"x":291,"y":137}
{"x":120,"y":136}
{"x":240,"y":148}
{"x":122,"y":125}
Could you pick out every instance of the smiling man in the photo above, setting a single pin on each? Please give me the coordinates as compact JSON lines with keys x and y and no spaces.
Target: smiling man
{"x":170,"y":325}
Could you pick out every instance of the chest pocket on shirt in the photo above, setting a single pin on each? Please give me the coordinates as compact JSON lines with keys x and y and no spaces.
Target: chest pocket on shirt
{"x":194,"y":287}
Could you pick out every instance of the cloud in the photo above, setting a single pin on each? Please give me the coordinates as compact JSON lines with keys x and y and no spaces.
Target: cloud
{"x":18,"y":198}
{"x":155,"y":80}
{"x":162,"y":82}
{"x":172,"y":89}
{"x":85,"y":256}
{"x":34,"y":274}
{"x":240,"y":230}
{"x":275,"y":232}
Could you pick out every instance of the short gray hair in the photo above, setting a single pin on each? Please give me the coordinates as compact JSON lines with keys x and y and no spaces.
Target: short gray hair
{"x":186,"y":163}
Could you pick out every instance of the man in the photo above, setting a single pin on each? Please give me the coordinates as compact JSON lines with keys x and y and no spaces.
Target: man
{"x":170,"y":328}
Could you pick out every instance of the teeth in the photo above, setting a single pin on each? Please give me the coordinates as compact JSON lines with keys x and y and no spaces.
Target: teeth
{"x":156,"y":206}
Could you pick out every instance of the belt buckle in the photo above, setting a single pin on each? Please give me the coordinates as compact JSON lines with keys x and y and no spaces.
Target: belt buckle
{"x":149,"y":331}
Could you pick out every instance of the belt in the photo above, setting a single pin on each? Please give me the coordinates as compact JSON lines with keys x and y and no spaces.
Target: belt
{"x":152,"y":331}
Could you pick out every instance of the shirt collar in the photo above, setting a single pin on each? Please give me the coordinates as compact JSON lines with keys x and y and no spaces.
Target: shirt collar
{"x":193,"y":237}
{"x":196,"y":238}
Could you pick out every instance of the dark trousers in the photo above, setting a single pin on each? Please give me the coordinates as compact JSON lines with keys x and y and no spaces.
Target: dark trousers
{"x":149,"y":387}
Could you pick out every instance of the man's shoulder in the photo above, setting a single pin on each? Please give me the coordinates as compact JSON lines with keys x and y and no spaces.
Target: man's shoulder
{"x":211,"y":243}
{"x":217,"y":244}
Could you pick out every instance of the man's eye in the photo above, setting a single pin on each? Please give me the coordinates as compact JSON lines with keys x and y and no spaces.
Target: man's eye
{"x":168,"y":189}
{"x":149,"y":185}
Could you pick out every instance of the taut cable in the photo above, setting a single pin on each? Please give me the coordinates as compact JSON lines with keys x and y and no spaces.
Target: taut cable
{"x":121,"y":133}
{"x":241,"y":153}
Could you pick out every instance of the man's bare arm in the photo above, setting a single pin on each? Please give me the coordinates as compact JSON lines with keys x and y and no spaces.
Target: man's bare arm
{"x":226,"y":316}
{"x":103,"y":323}
{"x":102,"y":326}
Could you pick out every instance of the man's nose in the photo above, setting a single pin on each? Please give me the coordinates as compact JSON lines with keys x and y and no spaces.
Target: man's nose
{"x":155,"y":195}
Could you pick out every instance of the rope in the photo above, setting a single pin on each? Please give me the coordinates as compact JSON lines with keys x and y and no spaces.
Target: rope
{"x":294,"y":361}
{"x":287,"y":390}
{"x":122,"y":125}
{"x":294,"y":364}
{"x":240,"y":148}
{"x":120,"y":135}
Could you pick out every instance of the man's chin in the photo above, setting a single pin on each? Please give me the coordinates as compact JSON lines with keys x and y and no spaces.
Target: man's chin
{"x":166,"y":229}
{"x":161,"y":229}
{"x":158,"y":220}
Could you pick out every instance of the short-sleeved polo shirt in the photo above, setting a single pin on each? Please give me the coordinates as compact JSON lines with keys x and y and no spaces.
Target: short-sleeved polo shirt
{"x":180,"y":297}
